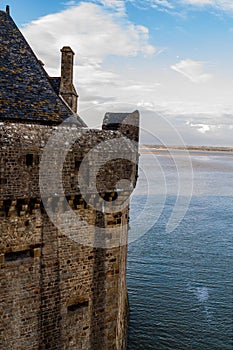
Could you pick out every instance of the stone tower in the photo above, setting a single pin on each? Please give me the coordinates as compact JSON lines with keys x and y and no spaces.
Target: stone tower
{"x":63,"y":221}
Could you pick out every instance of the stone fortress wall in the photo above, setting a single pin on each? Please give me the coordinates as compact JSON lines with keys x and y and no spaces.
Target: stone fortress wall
{"x":64,"y":287}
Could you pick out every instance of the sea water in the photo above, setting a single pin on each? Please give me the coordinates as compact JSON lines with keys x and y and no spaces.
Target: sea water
{"x":180,"y":281}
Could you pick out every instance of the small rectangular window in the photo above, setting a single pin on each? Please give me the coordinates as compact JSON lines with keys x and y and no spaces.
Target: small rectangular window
{"x":78,"y":306}
{"x":19,"y":256}
{"x":29,"y":159}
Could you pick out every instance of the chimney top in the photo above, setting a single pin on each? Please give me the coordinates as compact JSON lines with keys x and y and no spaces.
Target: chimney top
{"x":67,"y":89}
{"x":67,"y":49}
{"x":8,"y":9}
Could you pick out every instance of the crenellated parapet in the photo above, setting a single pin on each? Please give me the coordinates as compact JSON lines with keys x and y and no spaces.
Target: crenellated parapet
{"x":105,"y":159}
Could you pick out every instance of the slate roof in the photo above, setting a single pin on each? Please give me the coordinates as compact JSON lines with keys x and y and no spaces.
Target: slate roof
{"x":55,"y":82}
{"x":26,"y":93}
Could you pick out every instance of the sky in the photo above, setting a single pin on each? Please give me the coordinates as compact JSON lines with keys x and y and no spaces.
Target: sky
{"x":170,"y":59}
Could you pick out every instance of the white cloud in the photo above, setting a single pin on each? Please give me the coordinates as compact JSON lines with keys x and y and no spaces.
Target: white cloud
{"x":224,"y":5}
{"x":174,"y":6}
{"x":198,"y":2}
{"x":193,"y":70}
{"x":202,"y":128}
{"x":70,"y":3}
{"x":167,"y":5}
{"x":158,"y":3}
{"x":91,"y":31}
{"x":115,"y":5}
{"x":217,"y":125}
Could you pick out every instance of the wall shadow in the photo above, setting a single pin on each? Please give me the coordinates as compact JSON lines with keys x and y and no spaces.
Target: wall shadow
{"x":98,"y":314}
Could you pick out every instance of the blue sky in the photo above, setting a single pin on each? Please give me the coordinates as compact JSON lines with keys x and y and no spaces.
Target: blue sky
{"x":171,"y":59}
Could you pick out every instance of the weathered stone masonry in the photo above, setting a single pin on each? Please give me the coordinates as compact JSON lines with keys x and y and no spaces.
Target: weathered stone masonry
{"x":58,"y":290}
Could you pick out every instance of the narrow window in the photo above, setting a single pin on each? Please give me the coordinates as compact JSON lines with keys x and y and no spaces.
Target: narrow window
{"x":19,"y":256}
{"x":29,"y":159}
{"x":78,"y":306}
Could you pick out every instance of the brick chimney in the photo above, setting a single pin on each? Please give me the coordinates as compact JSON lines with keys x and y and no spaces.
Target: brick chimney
{"x":67,"y":89}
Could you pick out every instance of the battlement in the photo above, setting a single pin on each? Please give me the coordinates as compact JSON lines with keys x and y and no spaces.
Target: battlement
{"x":23,"y":146}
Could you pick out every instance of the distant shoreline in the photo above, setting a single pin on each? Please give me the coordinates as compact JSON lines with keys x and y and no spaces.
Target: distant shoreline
{"x":187,"y":148}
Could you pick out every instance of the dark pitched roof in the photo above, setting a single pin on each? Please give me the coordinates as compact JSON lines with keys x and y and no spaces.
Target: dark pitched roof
{"x":55,"y":82}
{"x":26,"y":93}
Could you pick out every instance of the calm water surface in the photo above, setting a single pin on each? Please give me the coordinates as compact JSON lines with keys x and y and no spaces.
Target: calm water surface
{"x":181,"y":283}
